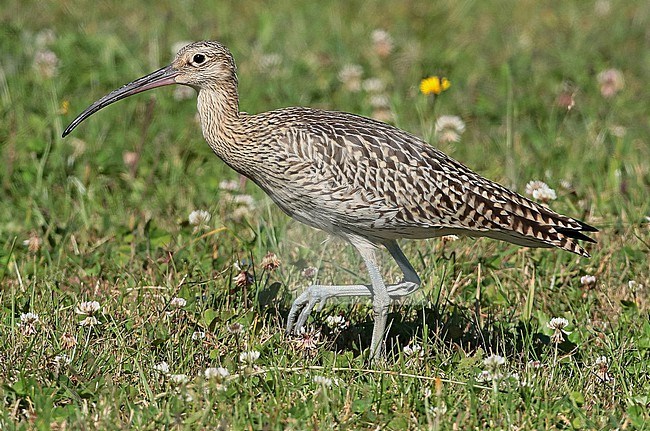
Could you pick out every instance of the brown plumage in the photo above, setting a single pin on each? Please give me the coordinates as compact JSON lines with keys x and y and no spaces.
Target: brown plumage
{"x":353,"y":177}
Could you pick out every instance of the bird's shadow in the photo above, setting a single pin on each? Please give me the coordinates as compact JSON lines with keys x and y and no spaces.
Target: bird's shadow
{"x":454,"y":327}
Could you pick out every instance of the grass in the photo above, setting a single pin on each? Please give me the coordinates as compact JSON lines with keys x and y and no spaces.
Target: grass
{"x":106,"y":214}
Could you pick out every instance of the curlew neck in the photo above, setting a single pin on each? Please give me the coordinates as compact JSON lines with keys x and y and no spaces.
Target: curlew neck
{"x":218,"y":107}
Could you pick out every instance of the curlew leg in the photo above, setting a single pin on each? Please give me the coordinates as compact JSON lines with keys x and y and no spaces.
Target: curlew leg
{"x":380,"y":299}
{"x":411,"y":281}
{"x":381,"y":294}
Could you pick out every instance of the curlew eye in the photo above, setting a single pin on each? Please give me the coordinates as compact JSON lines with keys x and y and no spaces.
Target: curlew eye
{"x":198,"y":58}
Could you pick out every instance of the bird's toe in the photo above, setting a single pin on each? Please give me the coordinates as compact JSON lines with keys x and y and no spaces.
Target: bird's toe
{"x":297,"y":306}
{"x":304,"y":315}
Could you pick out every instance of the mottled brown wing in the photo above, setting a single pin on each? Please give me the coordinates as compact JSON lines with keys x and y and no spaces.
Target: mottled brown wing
{"x":386,"y":183}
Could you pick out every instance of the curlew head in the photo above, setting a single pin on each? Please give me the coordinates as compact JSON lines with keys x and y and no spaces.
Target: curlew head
{"x":200,"y":65}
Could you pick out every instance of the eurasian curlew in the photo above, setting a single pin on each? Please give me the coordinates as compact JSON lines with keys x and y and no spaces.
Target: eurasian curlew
{"x":353,"y":177}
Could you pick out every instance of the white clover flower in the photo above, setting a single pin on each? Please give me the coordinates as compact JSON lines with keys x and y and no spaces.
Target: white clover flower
{"x":44,"y":38}
{"x":611,"y":81}
{"x":382,"y":42}
{"x":28,"y":322}
{"x":516,"y":380}
{"x":177,"y":302}
{"x":246,"y":200}
{"x":602,"y":368}
{"x":515,"y":377}
{"x":46,"y":63}
{"x":588,"y":280}
{"x":270,"y":262}
{"x":249,"y":357}
{"x":494,"y":361}
{"x":130,"y":159}
{"x":380,"y":35}
{"x":68,"y":341}
{"x":448,"y":128}
{"x":541,"y":191}
{"x":322,"y":380}
{"x":309,"y":272}
{"x":566,"y":184}
{"x":218,"y":373}
{"x":87,"y":308}
{"x":229,"y":185}
{"x":634,"y":286}
{"x":199,"y":217}
{"x":557,"y":324}
{"x":179,"y":379}
{"x":484,"y":376}
{"x":34,"y":242}
{"x":413,"y":350}
{"x":337,"y":322}
{"x":379,"y":101}
{"x":374,"y":85}
{"x":90,"y":321}
{"x":243,"y":279}
{"x":30,"y":318}
{"x":162,"y":367}
{"x":240,"y":213}
{"x":601,"y":360}
{"x":350,"y":75}
{"x":308,"y":339}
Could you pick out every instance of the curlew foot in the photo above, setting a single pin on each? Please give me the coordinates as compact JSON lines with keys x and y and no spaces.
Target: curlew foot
{"x":317,"y":295}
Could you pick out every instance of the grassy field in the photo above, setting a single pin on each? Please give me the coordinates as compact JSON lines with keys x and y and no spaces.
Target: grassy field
{"x":554,"y":91}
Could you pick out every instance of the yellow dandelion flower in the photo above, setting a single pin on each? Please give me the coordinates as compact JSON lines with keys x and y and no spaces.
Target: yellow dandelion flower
{"x":434,"y":85}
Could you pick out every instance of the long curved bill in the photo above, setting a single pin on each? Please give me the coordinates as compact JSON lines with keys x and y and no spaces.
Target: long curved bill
{"x":159,"y":78}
